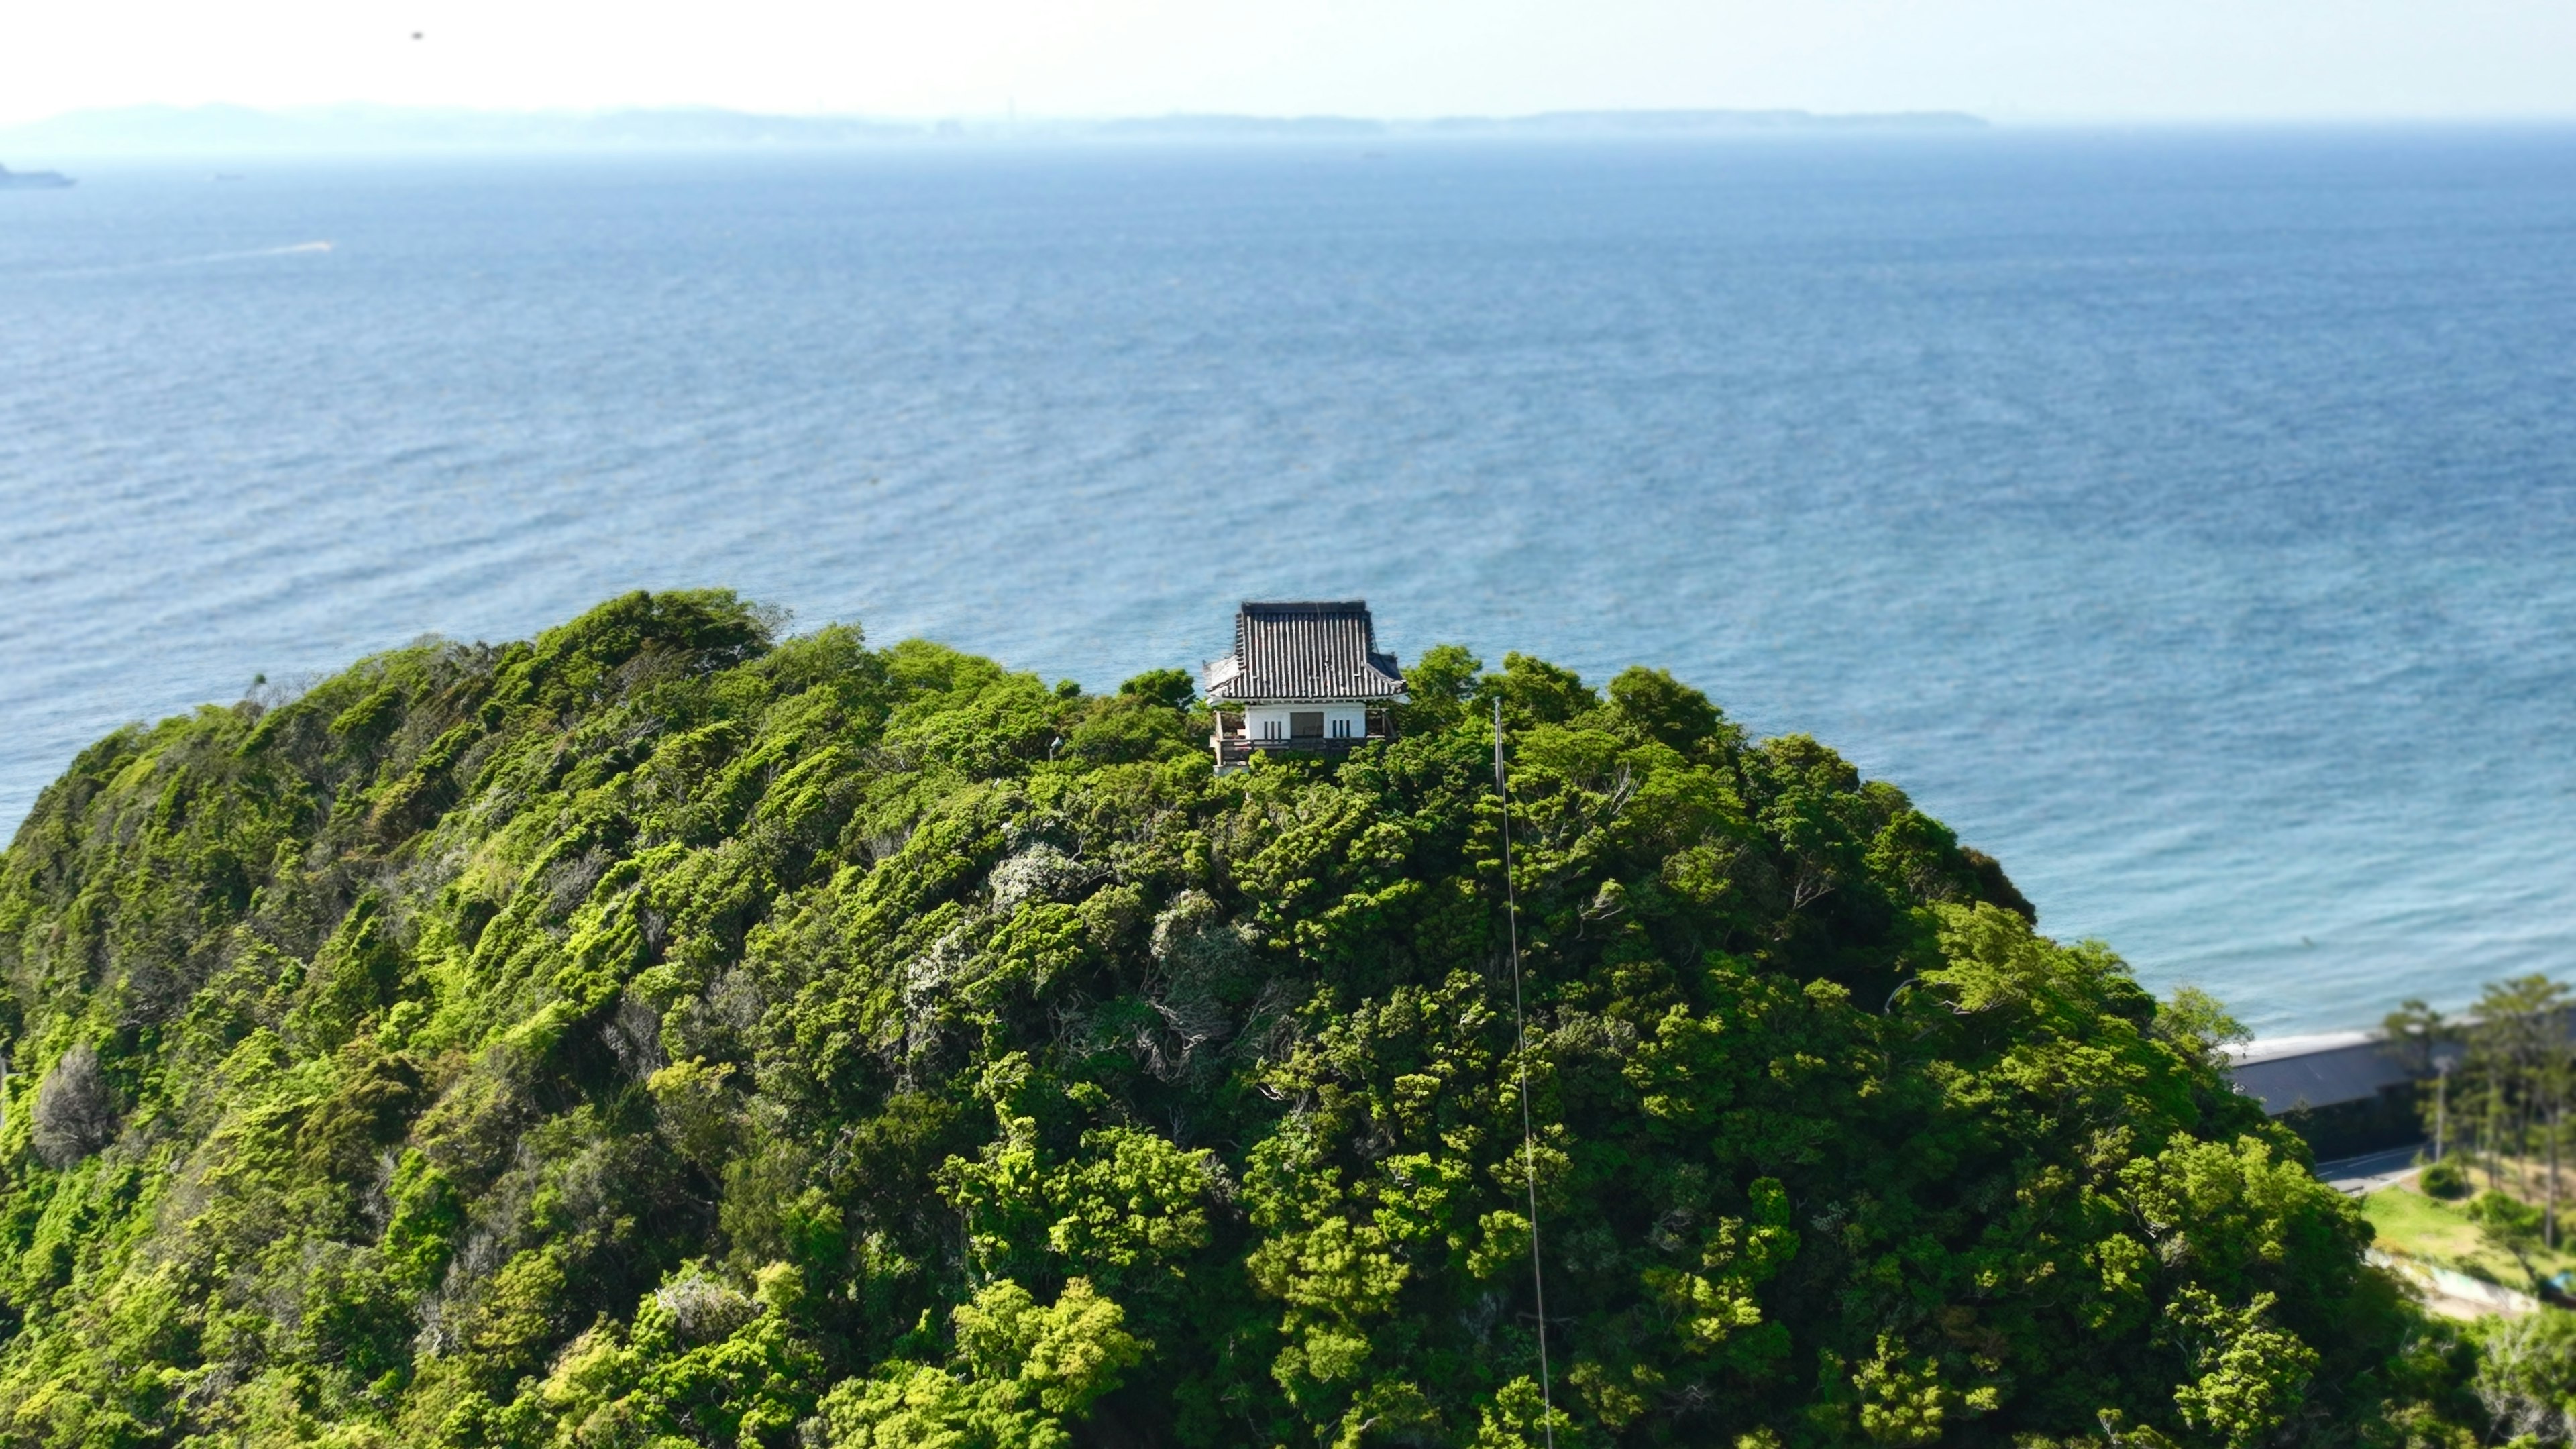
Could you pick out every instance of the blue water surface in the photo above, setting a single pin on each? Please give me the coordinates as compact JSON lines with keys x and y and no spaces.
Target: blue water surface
{"x":2187,"y":518}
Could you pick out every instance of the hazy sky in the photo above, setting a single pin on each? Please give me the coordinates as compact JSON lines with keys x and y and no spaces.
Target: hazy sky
{"x":2011,"y":59}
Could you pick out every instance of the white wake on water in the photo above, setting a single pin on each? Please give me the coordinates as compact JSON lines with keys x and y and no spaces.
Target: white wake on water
{"x":204,"y":259}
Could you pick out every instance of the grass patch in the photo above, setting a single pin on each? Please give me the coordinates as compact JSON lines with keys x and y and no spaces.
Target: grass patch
{"x":2432,"y":1231}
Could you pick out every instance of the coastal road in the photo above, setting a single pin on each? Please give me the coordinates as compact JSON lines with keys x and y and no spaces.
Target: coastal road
{"x":2371,"y":1171}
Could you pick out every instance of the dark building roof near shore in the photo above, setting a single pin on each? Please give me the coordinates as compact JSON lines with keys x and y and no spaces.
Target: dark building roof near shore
{"x":2327,"y":1069}
{"x":1304,"y":652}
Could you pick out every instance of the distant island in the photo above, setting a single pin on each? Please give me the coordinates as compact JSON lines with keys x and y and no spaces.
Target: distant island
{"x":32,"y":180}
{"x":226,"y":129}
{"x":1546,"y":123}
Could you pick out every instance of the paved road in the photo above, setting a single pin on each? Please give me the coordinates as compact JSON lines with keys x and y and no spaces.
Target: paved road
{"x":2371,"y":1171}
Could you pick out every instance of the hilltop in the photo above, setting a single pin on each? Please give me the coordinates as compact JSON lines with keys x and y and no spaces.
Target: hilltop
{"x":667,"y":1032}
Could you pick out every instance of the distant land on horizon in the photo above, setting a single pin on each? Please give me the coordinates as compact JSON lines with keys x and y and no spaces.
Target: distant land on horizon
{"x":158,"y":129}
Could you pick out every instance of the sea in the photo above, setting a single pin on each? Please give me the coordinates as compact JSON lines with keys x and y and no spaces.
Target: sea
{"x":2187,"y":517}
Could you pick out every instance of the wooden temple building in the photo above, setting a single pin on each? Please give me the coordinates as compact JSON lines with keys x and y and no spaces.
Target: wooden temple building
{"x":1303,"y":676}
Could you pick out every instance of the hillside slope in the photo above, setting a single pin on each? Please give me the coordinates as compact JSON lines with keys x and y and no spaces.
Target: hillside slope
{"x":662,"y":1033}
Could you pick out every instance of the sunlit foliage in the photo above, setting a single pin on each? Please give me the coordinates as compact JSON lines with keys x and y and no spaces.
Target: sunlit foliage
{"x":665,"y":1033}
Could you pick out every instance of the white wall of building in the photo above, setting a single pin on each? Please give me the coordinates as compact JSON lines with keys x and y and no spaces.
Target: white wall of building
{"x":1271,"y":722}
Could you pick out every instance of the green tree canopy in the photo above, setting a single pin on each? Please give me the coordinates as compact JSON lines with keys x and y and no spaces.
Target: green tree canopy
{"x":662,"y":1032}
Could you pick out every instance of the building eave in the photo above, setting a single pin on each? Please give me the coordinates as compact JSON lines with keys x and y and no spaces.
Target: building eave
{"x":1373,"y":701}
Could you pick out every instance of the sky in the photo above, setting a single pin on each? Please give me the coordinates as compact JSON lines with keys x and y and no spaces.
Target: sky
{"x":2042,"y":60}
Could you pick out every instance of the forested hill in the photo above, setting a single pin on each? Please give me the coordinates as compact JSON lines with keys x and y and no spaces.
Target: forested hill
{"x":666,"y":1033}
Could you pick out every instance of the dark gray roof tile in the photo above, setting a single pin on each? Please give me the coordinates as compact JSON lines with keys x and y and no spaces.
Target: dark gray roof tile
{"x":1304,"y":651}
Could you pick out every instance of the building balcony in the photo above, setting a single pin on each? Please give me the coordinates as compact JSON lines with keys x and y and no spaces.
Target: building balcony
{"x":1235,"y":749}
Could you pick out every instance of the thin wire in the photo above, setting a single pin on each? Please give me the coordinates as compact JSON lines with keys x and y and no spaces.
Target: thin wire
{"x":1529,"y":1137}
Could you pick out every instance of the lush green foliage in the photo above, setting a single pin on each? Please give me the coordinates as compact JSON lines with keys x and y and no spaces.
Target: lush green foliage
{"x":2510,"y":1097}
{"x":2527,"y":1376}
{"x":659,"y":1034}
{"x":2444,"y":1180}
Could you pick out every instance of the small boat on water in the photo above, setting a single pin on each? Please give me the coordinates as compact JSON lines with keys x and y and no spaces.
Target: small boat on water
{"x":31,"y":180}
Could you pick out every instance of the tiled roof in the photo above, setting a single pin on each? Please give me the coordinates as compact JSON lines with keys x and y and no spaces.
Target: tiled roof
{"x":1304,"y":651}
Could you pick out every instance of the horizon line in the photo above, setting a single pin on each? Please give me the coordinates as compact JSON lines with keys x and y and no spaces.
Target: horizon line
{"x":362,"y":127}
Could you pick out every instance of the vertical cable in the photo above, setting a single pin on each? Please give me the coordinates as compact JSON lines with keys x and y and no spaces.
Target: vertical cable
{"x":1529,"y":1138}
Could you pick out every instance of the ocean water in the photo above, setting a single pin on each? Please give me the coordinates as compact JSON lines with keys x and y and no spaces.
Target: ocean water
{"x":2187,"y":518}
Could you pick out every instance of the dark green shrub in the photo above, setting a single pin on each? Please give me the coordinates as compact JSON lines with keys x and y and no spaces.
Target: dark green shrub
{"x":2444,"y":1180}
